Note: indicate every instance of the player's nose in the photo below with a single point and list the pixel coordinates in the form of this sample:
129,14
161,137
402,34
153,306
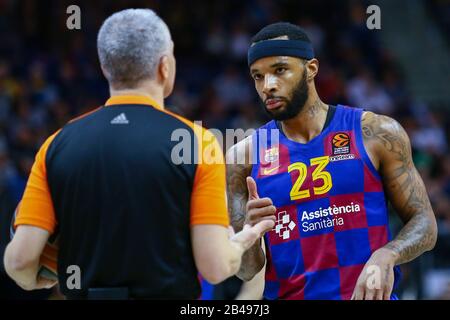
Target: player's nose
270,84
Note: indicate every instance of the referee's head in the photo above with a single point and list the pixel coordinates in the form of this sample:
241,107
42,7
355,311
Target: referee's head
136,50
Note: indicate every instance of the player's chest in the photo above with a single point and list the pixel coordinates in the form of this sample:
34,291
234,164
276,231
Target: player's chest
297,178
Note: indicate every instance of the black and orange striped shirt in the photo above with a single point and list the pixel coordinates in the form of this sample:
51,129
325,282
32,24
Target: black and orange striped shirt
122,209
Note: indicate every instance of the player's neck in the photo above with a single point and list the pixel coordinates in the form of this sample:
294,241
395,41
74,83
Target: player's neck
146,90
308,123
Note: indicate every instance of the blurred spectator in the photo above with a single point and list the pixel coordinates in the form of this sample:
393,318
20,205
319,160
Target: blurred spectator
216,41
364,92
231,87
240,40
431,137
315,34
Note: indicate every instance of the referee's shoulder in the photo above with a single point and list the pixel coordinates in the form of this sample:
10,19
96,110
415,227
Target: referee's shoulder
202,133
84,115
53,137
193,125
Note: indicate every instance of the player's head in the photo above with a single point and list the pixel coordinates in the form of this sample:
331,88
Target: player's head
135,46
282,64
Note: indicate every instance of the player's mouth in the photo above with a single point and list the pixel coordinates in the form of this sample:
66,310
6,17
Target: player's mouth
273,103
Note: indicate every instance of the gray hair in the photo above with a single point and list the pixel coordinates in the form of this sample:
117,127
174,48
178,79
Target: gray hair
130,44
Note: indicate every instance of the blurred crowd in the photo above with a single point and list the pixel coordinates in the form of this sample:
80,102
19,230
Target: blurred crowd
49,74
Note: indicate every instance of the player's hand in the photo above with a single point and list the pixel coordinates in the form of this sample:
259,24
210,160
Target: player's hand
258,209
376,280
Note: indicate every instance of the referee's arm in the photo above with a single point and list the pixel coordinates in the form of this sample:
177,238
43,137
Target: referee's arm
217,250
34,222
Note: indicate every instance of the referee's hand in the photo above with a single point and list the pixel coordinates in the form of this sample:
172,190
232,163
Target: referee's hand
258,209
250,234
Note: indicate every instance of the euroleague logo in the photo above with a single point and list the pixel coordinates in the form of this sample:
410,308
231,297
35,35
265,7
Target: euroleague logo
341,140
341,147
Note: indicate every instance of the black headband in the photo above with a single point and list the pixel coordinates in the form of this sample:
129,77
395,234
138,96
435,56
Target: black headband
269,48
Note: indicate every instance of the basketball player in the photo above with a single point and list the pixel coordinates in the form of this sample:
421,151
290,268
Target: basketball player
324,177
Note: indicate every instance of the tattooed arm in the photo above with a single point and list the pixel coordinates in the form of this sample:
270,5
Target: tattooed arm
239,167
403,186
244,204
390,151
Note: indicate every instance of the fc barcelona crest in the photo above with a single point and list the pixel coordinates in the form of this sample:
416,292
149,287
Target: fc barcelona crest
271,155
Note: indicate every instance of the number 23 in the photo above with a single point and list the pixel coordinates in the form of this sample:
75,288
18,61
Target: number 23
318,174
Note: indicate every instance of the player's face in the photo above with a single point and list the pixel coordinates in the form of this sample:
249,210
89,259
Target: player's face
281,84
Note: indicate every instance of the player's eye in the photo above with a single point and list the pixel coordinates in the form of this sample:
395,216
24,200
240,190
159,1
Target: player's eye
257,76
280,70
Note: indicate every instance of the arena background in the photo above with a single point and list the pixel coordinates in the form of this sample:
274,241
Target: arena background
50,74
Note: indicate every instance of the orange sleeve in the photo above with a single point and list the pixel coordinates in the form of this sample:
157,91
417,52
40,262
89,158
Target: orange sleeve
36,206
209,199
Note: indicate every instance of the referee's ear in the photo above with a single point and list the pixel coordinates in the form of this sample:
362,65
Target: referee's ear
105,73
163,68
166,73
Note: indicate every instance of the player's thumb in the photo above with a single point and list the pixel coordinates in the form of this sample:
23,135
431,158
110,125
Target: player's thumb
252,189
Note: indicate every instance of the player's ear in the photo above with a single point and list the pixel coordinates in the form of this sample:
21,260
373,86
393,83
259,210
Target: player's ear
312,67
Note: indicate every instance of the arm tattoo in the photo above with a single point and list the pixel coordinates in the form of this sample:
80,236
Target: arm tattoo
237,193
253,259
403,186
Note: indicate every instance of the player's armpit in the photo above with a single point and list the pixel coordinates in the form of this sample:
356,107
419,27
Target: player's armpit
403,186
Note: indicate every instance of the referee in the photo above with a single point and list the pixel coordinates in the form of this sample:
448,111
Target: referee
137,224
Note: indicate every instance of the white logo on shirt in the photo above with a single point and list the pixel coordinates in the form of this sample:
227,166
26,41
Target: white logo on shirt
120,119
284,225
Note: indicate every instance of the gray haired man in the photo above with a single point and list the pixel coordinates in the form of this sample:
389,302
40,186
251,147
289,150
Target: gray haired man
133,222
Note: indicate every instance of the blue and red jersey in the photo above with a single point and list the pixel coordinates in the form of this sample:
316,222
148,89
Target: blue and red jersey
331,209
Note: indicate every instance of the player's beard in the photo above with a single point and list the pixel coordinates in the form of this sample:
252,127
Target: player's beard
293,106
